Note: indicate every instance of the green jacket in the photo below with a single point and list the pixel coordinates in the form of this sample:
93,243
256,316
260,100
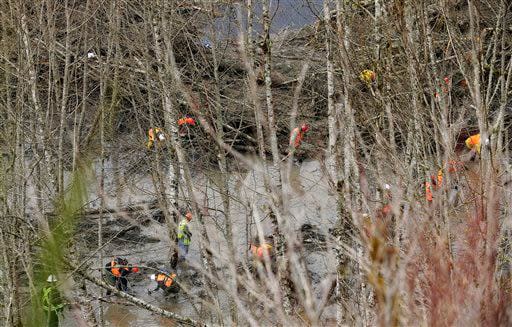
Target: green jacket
184,233
51,299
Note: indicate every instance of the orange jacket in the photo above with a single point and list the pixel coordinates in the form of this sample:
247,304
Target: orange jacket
260,251
118,271
385,210
473,142
115,271
296,137
154,134
368,76
453,167
428,192
433,185
164,279
186,121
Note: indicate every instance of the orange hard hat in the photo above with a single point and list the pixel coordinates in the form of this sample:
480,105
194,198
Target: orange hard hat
188,215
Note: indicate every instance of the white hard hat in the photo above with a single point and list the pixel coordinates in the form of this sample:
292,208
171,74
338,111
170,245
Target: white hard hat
91,54
51,279
153,277
387,186
161,136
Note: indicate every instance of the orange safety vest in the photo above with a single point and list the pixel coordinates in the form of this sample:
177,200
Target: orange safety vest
437,184
296,137
453,167
116,271
386,210
260,251
473,142
439,178
166,280
367,76
186,120
428,192
152,133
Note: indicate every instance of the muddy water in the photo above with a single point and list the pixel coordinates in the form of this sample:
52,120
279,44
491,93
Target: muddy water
310,202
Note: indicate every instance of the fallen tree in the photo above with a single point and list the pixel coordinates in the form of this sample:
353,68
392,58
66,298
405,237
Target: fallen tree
138,302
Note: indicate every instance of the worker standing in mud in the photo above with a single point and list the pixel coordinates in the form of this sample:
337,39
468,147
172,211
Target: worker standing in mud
184,124
436,181
155,135
260,251
474,143
117,271
52,302
184,237
296,137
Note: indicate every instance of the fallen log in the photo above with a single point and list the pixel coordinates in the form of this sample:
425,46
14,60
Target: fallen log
138,302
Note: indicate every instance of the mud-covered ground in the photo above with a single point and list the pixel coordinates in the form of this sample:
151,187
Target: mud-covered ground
140,238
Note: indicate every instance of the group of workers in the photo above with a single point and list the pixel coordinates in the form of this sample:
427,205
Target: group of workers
435,182
119,269
157,136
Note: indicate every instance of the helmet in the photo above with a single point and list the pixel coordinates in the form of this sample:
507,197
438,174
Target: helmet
160,134
188,215
304,127
367,76
152,276
387,186
51,279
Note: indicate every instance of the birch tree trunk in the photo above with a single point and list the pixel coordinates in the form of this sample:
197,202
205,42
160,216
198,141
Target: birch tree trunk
332,166
64,101
170,75
350,284
267,52
223,167
41,153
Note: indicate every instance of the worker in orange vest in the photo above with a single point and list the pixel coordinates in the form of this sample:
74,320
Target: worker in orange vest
184,123
155,134
117,271
386,208
473,143
260,251
166,282
436,182
297,135
432,186
368,77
